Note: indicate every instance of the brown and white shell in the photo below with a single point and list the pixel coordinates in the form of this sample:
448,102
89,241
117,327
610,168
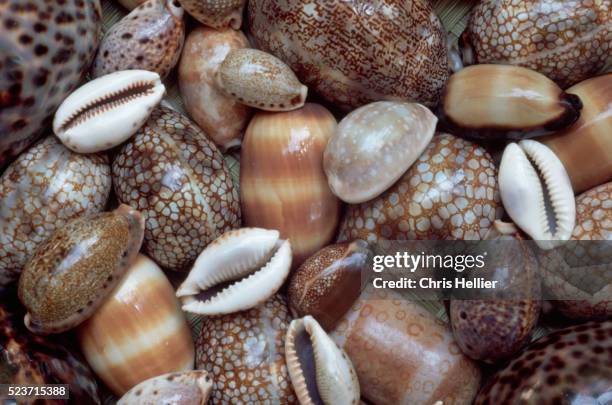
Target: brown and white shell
171,172
76,268
568,41
356,52
373,147
44,188
450,192
237,271
150,38
184,388
320,371
131,4
244,354
218,114
47,46
216,13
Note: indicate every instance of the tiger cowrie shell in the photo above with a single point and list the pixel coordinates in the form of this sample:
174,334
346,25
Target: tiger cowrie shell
532,179
260,80
106,111
237,271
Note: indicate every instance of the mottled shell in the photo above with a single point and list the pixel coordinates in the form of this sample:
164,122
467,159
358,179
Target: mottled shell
571,365
131,4
589,297
46,48
585,148
171,172
568,41
149,38
216,13
363,52
252,345
139,332
26,358
44,188
450,192
218,114
282,182
374,145
76,268
184,388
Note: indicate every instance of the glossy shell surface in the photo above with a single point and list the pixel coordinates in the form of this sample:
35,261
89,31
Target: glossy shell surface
216,13
218,114
171,172
184,388
139,332
364,51
569,365
44,188
150,38
282,182
76,268
450,192
46,48
568,41
252,345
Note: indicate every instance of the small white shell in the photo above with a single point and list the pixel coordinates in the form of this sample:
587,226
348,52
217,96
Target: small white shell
106,111
537,193
255,263
335,377
183,388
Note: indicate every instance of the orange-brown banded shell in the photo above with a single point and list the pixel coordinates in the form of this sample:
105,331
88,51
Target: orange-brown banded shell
171,172
139,332
282,182
363,52
585,148
251,344
450,192
568,41
76,268
44,188
216,13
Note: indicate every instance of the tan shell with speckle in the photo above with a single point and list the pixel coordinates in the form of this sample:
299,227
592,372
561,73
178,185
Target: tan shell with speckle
216,13
177,178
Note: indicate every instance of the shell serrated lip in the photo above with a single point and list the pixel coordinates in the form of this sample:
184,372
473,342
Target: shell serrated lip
238,271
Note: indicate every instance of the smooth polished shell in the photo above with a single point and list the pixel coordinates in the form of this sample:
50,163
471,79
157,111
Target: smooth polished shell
363,52
374,145
150,38
171,172
496,102
76,268
216,13
46,49
251,344
568,41
450,192
28,359
184,388
44,188
282,182
585,148
139,332
216,113
571,365
131,4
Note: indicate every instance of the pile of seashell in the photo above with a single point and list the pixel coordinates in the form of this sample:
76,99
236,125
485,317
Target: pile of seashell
355,123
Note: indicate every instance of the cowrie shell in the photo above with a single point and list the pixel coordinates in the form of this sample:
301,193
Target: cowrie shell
187,387
106,111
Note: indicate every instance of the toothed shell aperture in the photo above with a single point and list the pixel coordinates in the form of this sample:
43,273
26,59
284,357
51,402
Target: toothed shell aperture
320,371
75,269
216,13
185,388
150,38
239,270
532,178
44,188
106,111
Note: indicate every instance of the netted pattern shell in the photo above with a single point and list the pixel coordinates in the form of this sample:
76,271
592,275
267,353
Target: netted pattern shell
176,177
43,189
46,47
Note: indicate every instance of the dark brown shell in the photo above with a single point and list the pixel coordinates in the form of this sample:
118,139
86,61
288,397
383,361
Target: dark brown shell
177,178
569,366
355,52
46,47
